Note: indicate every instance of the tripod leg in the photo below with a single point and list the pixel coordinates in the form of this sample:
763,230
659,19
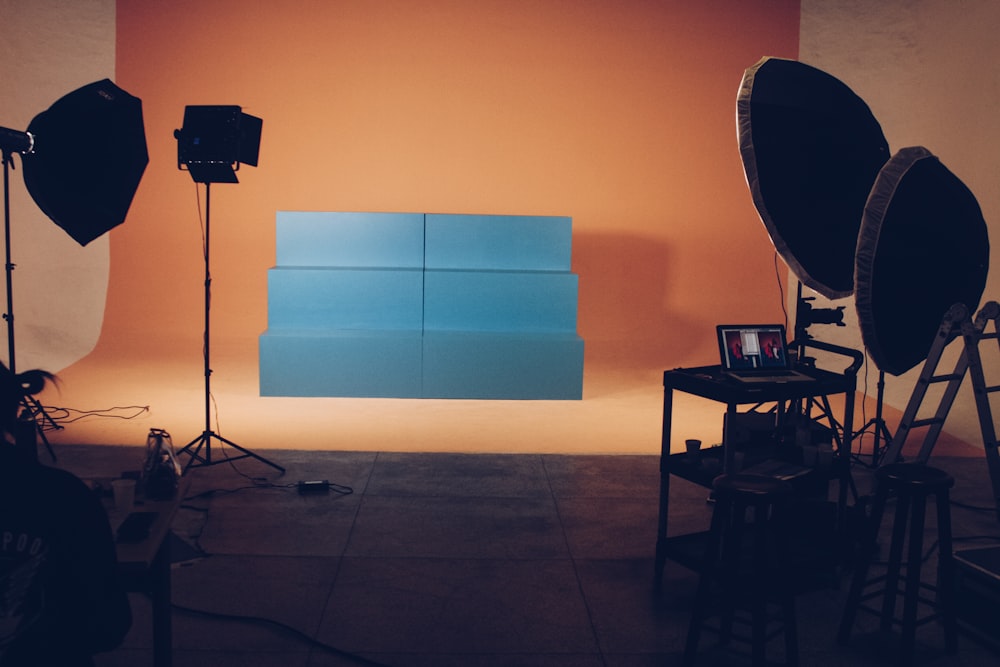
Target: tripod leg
42,419
193,449
45,441
246,453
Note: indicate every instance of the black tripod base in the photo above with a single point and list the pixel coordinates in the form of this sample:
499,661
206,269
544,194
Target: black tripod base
204,441
31,423
882,435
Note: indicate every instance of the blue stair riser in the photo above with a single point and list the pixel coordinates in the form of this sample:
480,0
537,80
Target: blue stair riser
413,305
360,364
453,365
498,242
512,301
328,298
350,240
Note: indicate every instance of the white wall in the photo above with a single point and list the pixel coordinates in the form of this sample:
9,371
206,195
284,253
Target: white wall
50,48
927,69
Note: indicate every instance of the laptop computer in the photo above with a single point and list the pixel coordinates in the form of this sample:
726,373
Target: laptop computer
756,353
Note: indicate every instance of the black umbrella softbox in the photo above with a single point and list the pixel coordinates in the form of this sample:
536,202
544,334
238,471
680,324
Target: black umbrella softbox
923,247
811,150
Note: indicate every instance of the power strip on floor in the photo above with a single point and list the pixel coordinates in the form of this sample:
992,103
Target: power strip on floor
314,486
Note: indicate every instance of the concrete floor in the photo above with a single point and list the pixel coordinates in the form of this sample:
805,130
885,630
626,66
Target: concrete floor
463,559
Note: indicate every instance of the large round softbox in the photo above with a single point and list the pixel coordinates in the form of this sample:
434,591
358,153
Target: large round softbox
923,246
811,150
89,155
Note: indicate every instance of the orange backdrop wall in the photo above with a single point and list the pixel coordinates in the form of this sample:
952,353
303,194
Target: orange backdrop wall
619,114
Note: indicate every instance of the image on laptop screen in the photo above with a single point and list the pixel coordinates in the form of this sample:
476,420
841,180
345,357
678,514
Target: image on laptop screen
752,347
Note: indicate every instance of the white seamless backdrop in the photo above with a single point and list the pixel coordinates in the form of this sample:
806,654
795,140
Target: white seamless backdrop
52,47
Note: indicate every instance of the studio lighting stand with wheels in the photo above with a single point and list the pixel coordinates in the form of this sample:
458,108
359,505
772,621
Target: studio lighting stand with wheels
212,143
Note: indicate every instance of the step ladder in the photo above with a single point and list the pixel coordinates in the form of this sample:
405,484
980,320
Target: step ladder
957,323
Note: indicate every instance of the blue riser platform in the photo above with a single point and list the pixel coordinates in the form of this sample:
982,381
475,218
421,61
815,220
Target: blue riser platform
372,364
432,365
346,240
498,242
520,301
502,366
413,305
328,298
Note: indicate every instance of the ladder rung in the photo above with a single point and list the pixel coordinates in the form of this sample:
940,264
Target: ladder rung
969,363
946,378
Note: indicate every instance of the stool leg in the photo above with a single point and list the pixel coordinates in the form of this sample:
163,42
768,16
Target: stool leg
868,546
912,592
732,551
946,574
702,601
786,592
791,631
758,603
895,561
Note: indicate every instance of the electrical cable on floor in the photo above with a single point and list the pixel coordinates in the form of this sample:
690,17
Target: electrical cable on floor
60,415
301,636
202,553
258,483
264,483
195,540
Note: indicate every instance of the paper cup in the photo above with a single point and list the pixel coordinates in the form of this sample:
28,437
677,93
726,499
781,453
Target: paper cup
693,448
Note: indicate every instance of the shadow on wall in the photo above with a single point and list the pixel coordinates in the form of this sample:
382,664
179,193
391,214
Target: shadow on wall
625,313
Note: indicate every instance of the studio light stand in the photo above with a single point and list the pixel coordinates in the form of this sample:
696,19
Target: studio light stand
211,145
805,316
877,425
82,160
31,409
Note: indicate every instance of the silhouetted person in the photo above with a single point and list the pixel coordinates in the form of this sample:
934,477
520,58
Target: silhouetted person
60,598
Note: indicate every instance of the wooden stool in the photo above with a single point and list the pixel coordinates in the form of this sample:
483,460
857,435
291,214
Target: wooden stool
747,573
912,484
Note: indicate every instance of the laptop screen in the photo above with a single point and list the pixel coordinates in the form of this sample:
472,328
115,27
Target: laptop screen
749,347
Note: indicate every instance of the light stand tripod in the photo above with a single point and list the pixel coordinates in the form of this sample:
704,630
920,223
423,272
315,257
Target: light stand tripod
877,424
805,316
83,159
32,410
204,441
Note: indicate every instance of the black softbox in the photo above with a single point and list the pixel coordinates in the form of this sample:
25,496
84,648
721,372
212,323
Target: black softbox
88,157
811,150
923,246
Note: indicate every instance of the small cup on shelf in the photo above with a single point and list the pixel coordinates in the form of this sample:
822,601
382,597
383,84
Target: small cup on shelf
693,448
